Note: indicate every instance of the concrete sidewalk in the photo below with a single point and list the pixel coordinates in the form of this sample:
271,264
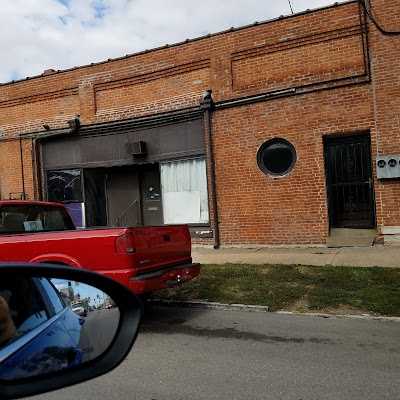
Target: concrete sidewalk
379,255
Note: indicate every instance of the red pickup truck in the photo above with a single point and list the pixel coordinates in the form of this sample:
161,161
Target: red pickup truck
144,259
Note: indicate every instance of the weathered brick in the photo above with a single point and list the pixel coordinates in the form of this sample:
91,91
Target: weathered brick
342,87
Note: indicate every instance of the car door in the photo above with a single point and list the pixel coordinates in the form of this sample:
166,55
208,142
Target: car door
42,343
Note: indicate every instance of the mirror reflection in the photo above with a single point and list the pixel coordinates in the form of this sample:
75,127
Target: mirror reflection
48,325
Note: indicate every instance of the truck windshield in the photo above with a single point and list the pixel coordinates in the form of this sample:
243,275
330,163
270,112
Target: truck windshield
21,218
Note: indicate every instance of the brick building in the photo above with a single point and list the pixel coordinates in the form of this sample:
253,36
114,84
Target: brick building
299,142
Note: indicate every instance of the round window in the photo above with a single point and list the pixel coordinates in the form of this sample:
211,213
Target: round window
276,157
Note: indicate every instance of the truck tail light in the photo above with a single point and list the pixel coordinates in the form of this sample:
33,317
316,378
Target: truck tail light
125,243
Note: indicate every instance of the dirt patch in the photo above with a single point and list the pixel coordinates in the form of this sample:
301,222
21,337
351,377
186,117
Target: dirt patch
300,305
303,306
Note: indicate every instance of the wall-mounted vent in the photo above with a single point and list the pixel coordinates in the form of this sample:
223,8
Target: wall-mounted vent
388,167
136,148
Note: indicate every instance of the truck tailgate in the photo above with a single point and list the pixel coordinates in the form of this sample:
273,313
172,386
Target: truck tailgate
161,246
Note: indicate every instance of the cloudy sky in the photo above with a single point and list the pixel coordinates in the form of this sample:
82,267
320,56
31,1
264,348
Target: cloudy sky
60,34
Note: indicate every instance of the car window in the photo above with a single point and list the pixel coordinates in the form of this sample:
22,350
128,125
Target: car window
21,308
20,218
56,303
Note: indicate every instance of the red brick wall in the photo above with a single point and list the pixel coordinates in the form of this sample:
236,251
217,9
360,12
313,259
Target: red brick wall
256,208
311,52
301,61
11,172
385,57
174,77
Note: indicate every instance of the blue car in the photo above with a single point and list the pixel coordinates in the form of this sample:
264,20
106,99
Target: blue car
45,332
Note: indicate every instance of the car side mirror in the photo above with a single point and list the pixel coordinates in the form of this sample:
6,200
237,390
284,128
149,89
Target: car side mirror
60,326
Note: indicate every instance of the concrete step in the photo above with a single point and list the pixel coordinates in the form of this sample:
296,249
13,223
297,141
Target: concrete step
351,238
346,232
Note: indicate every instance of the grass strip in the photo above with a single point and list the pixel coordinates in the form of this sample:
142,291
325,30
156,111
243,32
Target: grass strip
332,289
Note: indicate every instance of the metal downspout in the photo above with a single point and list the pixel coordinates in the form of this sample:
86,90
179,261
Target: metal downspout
207,104
22,166
36,150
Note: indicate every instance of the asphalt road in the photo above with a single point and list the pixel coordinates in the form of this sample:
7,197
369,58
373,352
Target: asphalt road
214,354
98,331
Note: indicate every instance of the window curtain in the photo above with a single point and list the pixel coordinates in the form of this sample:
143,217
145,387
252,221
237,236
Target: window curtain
184,191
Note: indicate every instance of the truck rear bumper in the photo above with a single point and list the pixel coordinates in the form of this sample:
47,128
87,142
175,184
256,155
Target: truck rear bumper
164,278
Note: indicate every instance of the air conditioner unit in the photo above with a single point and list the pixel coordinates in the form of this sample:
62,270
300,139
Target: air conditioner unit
388,167
136,148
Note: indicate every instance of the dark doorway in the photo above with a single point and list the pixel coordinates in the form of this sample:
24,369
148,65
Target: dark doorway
123,196
95,196
349,182
151,194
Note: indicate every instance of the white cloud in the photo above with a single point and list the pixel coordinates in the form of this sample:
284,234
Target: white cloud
61,34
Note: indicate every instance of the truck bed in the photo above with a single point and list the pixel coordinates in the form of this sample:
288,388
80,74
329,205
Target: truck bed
142,258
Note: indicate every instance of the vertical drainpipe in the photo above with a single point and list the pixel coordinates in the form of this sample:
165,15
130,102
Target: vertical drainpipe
39,183
22,167
207,105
